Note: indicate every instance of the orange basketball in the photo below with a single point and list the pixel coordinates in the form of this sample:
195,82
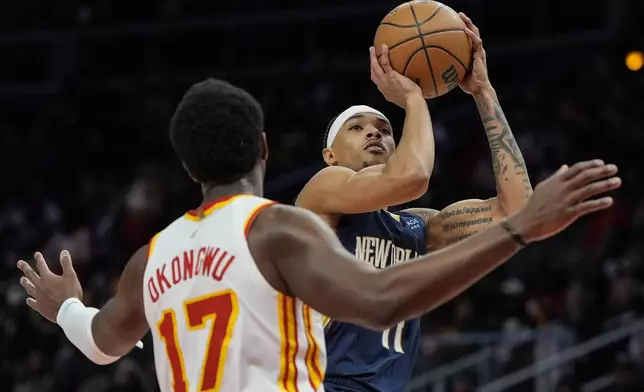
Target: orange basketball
428,44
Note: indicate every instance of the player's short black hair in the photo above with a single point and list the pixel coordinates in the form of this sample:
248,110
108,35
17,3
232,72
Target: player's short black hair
326,133
216,131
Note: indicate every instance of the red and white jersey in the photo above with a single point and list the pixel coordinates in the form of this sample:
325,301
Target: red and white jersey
217,324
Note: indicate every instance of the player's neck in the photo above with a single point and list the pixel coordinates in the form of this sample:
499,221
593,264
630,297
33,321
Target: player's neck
215,192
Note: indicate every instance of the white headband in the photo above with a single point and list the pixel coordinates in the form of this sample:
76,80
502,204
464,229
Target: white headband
344,116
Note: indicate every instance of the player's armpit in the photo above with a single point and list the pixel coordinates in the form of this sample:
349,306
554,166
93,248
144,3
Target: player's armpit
339,190
461,220
121,322
301,256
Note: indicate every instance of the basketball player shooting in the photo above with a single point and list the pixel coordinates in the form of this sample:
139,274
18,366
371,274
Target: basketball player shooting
366,174
228,289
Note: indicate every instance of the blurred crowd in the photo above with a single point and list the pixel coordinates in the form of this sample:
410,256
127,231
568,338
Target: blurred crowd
584,282
94,173
42,14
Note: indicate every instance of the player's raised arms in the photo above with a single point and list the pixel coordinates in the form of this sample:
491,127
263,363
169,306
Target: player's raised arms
380,174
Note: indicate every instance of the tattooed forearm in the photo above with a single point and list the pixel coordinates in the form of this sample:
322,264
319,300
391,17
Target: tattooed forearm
502,142
459,221
507,160
483,105
453,240
471,216
466,223
464,211
527,187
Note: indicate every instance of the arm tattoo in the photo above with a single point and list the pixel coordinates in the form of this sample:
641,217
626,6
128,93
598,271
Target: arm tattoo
502,142
455,239
483,105
457,223
472,216
465,211
466,224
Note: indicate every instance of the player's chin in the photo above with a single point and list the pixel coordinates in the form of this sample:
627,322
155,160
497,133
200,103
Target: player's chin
375,158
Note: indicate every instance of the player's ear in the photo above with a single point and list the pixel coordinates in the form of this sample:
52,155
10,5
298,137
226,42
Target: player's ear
329,156
263,155
188,171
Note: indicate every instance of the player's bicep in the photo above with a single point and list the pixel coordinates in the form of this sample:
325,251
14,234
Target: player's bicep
338,190
121,322
316,268
461,220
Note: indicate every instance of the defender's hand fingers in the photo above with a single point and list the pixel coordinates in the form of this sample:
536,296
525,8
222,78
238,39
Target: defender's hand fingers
66,264
384,60
580,166
592,174
562,170
28,286
41,265
590,206
33,304
29,272
377,74
595,189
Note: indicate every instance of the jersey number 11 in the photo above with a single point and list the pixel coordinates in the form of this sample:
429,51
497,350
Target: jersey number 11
221,308
398,332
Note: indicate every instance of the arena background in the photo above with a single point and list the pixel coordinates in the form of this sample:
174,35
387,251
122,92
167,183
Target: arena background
87,89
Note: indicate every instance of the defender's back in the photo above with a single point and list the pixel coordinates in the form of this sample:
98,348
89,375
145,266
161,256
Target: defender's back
217,324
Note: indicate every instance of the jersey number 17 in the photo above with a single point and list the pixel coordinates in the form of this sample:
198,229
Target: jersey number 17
221,308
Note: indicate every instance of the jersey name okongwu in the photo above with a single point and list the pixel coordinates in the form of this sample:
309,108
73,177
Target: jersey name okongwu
217,324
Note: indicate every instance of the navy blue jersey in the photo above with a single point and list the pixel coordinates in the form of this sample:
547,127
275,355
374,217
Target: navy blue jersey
360,359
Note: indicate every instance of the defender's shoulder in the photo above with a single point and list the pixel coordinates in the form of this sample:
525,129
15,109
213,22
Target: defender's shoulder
276,213
277,219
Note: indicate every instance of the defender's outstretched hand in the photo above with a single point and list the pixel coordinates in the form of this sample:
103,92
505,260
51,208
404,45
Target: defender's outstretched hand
47,291
564,197
395,87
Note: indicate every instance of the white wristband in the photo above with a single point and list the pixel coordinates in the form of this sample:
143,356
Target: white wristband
76,321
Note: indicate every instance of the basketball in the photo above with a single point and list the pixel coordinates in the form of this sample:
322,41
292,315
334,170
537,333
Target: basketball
428,44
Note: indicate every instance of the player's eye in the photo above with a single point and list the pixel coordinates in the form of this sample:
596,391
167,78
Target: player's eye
386,131
355,127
